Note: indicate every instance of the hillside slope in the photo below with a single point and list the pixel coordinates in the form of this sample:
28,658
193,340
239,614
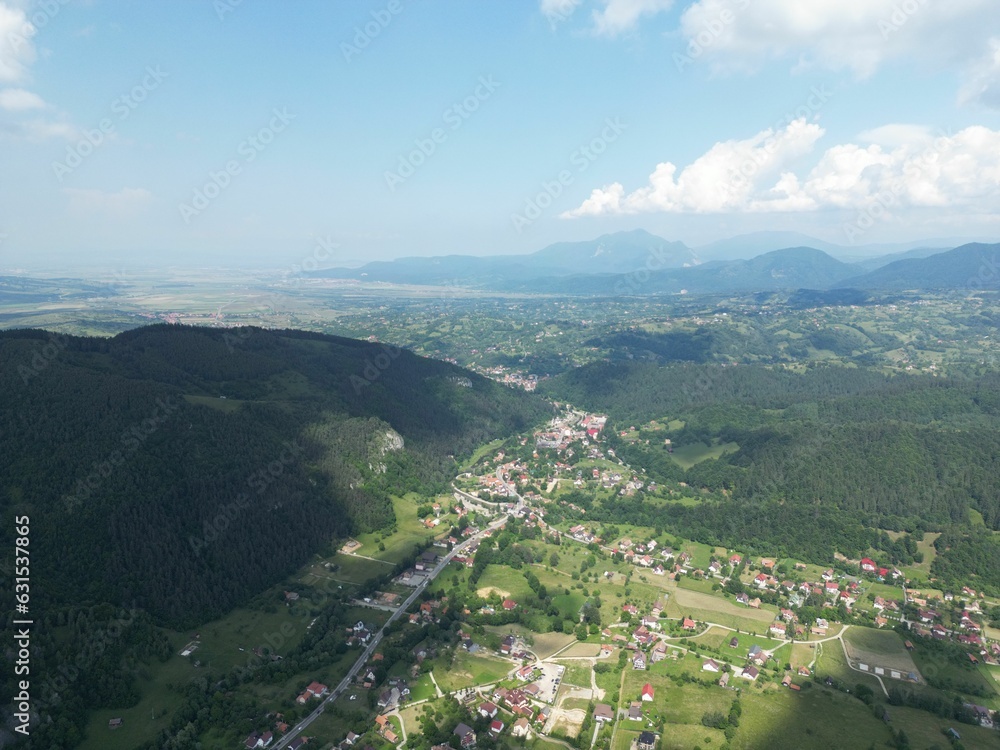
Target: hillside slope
186,469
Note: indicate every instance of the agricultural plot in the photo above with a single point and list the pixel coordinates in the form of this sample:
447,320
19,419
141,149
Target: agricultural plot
469,669
707,608
780,719
879,650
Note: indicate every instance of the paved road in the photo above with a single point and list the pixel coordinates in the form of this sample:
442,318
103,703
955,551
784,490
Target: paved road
377,638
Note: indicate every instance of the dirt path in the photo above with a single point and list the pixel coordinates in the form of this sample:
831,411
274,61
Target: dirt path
435,683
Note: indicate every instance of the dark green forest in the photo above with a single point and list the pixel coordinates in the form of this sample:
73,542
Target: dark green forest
173,473
826,456
144,485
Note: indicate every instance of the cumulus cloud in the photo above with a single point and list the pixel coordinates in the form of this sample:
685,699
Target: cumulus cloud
18,100
126,203
733,175
754,175
897,134
619,16
842,34
16,49
558,10
982,83
610,17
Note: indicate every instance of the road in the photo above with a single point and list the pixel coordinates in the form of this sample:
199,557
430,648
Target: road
377,638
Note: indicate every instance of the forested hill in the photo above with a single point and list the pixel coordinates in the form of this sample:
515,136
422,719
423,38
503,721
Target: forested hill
888,452
186,469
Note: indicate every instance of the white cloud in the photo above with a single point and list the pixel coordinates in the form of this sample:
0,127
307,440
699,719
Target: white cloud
611,17
983,78
16,49
126,203
855,35
18,100
897,134
38,130
559,10
619,16
731,176
755,175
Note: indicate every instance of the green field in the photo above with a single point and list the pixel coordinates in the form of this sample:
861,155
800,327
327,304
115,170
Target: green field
469,669
930,729
408,536
780,719
577,673
687,456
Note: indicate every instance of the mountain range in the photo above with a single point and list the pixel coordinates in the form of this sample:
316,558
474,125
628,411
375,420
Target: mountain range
637,262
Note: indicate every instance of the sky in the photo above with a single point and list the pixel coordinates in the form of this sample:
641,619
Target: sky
249,133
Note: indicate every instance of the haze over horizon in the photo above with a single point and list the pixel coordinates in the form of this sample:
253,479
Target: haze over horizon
155,136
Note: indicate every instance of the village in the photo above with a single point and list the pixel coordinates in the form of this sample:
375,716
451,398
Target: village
555,629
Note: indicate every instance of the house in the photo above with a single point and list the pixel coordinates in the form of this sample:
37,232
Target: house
743,598
803,671
689,624
351,738
724,680
786,680
488,710
635,711
734,642
117,722
496,726
521,728
710,665
297,743
926,615
647,692
735,560
647,741
778,628
983,714
659,652
659,570
766,563
760,581
603,712
465,735
749,673
318,689
516,699
509,605
389,698
868,565
639,661
507,644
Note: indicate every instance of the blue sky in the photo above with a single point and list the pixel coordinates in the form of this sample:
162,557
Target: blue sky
138,134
